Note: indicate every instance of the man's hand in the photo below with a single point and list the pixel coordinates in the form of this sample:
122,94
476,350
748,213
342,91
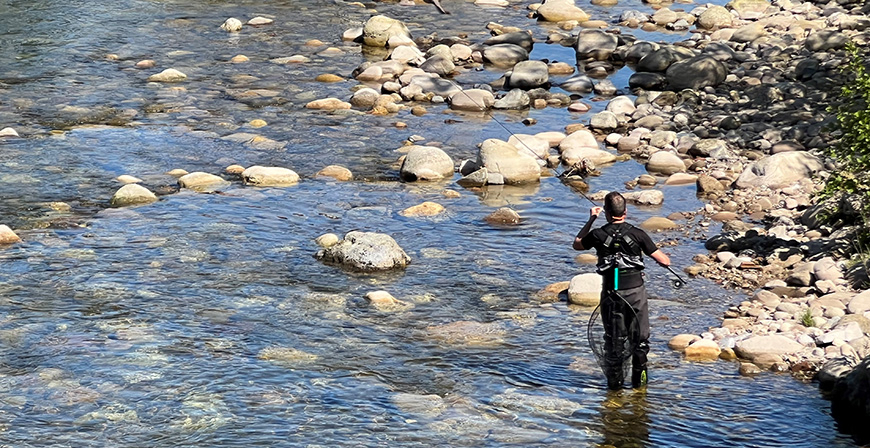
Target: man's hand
594,212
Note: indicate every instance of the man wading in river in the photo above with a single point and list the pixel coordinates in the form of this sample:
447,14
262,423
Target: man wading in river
620,248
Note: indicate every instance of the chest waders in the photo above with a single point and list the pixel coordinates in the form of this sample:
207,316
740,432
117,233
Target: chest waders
620,264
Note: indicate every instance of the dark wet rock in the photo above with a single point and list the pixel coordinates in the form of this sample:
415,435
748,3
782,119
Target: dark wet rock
366,251
719,51
696,73
505,55
659,60
439,65
475,179
826,40
528,75
648,81
850,398
516,99
637,51
520,38
595,44
426,163
579,84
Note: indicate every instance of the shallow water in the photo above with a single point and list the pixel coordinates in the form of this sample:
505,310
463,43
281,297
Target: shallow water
204,320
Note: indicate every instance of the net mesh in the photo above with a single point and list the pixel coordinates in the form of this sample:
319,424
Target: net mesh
613,351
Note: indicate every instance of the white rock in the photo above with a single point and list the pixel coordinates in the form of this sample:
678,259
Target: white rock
232,25
585,289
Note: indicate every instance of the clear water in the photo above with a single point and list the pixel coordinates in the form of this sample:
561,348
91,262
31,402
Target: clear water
175,324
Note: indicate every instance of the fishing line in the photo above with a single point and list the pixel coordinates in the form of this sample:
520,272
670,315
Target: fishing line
492,117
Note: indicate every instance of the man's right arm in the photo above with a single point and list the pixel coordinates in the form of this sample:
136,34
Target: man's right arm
578,240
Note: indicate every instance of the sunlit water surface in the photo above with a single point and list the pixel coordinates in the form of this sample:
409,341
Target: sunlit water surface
204,319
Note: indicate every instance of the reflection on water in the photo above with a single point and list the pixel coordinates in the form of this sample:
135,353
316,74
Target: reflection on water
625,420
204,320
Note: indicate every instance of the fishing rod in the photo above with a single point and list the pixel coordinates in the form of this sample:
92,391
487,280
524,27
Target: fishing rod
492,117
678,282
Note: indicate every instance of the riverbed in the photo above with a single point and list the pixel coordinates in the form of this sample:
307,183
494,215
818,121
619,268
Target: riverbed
205,320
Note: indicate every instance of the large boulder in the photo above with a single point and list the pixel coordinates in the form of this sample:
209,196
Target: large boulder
132,194
696,73
534,146
475,100
379,29
595,44
527,75
665,162
515,166
662,58
771,344
850,399
426,163
505,55
749,9
269,176
826,40
585,289
366,251
714,17
780,170
561,11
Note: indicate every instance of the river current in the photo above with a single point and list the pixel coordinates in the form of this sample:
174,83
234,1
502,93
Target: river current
204,319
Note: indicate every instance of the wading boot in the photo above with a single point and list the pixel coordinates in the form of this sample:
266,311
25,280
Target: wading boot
638,378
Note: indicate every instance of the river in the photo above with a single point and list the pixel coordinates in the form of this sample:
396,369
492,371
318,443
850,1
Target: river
204,319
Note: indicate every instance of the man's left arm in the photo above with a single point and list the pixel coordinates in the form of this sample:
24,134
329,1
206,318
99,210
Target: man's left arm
650,248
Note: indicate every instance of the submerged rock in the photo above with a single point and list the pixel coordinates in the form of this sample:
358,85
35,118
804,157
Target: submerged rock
168,75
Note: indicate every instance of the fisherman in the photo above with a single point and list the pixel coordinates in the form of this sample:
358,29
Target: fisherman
620,248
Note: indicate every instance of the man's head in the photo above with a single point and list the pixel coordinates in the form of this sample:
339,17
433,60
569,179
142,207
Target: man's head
614,206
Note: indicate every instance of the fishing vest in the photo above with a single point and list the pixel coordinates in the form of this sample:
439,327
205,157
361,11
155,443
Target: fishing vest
620,259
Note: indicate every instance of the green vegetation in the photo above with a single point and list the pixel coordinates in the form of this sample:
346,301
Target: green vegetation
852,151
807,318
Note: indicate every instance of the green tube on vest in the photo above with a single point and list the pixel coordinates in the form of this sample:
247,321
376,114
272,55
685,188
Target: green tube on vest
615,279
